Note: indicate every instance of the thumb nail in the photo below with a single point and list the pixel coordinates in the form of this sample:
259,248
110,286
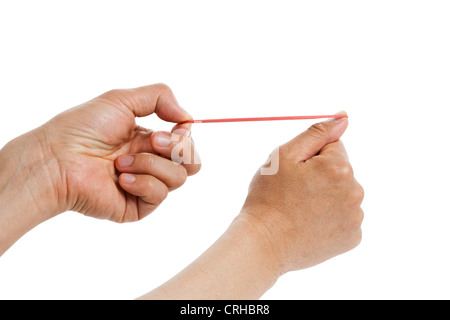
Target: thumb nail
342,117
182,132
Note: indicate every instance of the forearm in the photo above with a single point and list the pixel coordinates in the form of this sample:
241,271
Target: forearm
240,265
26,195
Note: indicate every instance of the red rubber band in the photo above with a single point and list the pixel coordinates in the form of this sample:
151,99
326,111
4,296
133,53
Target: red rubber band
337,116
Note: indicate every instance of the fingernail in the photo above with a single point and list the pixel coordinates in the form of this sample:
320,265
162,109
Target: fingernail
182,132
163,139
128,178
125,161
340,118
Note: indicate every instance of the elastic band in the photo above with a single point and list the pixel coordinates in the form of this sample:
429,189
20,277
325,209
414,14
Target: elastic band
266,119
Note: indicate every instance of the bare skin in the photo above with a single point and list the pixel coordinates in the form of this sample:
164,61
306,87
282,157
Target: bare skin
73,162
94,159
307,213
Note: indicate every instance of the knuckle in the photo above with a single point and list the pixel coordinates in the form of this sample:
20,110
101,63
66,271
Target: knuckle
341,170
158,193
149,186
117,97
318,130
162,87
356,195
362,193
113,92
181,177
359,218
149,162
164,193
359,194
357,238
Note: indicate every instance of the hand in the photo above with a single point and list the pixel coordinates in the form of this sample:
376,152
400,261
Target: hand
310,210
110,168
306,213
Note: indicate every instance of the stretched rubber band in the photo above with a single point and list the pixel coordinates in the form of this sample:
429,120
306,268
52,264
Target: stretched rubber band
337,116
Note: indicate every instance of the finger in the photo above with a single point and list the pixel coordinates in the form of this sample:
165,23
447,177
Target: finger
177,148
335,155
182,129
310,142
171,174
333,161
150,190
140,143
156,98
335,149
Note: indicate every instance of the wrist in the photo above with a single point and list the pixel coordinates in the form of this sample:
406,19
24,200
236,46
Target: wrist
262,240
271,233
28,177
240,265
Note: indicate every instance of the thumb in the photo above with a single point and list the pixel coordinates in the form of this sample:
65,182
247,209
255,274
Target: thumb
144,101
309,143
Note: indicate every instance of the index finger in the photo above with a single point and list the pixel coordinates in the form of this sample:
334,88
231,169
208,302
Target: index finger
335,149
156,98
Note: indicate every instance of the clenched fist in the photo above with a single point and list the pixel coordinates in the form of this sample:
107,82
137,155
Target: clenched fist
310,210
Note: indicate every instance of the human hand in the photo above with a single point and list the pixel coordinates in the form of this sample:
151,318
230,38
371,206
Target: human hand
306,213
310,210
110,168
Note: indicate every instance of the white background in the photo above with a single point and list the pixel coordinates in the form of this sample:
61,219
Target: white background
385,62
